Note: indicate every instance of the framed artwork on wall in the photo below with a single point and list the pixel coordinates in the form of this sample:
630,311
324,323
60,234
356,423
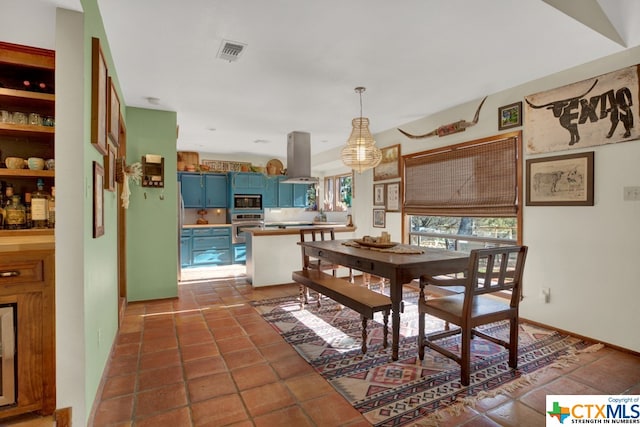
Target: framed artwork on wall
378,194
510,116
110,169
393,197
389,166
98,200
98,98
113,117
601,110
379,218
560,180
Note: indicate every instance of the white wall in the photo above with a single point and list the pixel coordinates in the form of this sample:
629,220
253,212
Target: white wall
587,256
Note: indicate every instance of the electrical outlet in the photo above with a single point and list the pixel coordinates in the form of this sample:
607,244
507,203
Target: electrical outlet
545,295
631,193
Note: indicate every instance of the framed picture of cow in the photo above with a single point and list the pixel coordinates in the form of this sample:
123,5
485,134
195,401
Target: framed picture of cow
560,180
596,111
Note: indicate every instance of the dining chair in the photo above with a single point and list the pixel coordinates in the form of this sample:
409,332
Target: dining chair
319,234
489,274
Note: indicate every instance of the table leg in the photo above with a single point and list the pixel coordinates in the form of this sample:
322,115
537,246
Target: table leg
396,303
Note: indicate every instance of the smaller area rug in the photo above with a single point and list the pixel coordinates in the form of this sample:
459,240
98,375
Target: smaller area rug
407,391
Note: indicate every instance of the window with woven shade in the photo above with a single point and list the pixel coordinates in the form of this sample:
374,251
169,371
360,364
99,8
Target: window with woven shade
474,179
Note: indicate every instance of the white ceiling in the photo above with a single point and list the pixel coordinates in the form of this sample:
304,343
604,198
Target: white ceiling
304,58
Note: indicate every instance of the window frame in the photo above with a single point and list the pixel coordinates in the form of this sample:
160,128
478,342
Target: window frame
331,189
518,204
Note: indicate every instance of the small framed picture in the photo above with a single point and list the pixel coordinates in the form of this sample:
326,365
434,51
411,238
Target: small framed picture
379,218
389,166
98,200
113,116
378,194
393,196
560,180
110,169
99,95
510,116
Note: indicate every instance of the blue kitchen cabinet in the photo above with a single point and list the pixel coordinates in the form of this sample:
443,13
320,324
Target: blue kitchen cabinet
185,247
270,194
240,253
215,191
247,182
211,246
292,195
285,194
300,195
203,190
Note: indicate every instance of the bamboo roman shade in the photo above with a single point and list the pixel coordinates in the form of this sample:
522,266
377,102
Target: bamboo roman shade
475,179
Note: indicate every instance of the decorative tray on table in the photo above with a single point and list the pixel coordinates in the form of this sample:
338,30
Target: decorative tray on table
378,245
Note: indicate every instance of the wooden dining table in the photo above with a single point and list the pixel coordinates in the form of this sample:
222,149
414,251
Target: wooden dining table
400,268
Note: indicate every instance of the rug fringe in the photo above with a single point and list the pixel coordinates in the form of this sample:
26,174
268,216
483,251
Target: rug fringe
463,403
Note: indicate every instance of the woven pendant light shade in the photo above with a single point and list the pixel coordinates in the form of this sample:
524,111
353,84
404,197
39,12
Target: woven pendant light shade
360,153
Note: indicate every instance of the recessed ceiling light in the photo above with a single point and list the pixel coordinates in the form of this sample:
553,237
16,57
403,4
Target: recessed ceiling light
212,129
261,141
153,100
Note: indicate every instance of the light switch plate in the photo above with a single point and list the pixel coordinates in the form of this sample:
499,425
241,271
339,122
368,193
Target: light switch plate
631,193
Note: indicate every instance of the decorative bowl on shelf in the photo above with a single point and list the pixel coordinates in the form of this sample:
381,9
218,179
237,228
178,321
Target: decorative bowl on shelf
14,162
35,163
50,164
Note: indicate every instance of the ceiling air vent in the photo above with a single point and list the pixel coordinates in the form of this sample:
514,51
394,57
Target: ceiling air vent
231,51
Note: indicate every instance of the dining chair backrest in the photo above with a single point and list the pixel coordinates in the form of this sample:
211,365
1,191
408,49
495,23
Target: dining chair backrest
316,234
496,269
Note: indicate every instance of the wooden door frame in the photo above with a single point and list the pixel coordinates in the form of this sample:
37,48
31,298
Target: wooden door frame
122,229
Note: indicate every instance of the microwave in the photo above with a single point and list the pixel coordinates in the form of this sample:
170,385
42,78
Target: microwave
247,201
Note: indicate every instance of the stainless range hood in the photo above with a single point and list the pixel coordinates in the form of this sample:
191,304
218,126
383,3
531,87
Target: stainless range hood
299,158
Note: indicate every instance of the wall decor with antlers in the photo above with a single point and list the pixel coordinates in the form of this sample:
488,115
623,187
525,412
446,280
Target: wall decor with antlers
450,128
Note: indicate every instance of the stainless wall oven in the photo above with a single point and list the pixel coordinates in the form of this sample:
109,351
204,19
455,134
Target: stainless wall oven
241,221
251,202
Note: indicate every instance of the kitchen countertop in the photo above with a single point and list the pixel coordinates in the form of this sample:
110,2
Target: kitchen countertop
275,231
204,225
13,241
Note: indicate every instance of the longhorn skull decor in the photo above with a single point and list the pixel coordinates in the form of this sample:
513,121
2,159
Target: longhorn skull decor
450,128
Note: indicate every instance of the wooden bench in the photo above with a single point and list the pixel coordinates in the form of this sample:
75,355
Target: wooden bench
360,299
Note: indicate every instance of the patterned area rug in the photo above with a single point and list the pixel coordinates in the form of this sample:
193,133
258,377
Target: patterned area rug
400,393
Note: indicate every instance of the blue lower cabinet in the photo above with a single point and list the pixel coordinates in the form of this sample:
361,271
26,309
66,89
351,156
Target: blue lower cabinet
185,251
240,253
208,246
211,256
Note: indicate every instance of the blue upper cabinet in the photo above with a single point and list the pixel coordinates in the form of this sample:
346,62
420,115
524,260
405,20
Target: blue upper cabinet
300,195
191,188
270,195
247,183
292,195
203,190
215,191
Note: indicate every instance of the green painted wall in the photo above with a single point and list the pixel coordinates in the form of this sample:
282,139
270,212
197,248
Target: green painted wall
100,254
152,217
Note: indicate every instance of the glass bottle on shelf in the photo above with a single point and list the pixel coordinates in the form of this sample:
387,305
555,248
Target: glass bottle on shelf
27,210
15,214
8,194
39,206
51,218
1,205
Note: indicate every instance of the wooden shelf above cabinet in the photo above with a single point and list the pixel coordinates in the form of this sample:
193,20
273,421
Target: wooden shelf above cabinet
10,129
26,173
20,100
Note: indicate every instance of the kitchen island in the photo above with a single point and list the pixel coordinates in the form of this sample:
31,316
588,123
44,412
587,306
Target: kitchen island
273,252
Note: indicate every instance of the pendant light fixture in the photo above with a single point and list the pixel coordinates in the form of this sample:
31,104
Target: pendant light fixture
360,153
